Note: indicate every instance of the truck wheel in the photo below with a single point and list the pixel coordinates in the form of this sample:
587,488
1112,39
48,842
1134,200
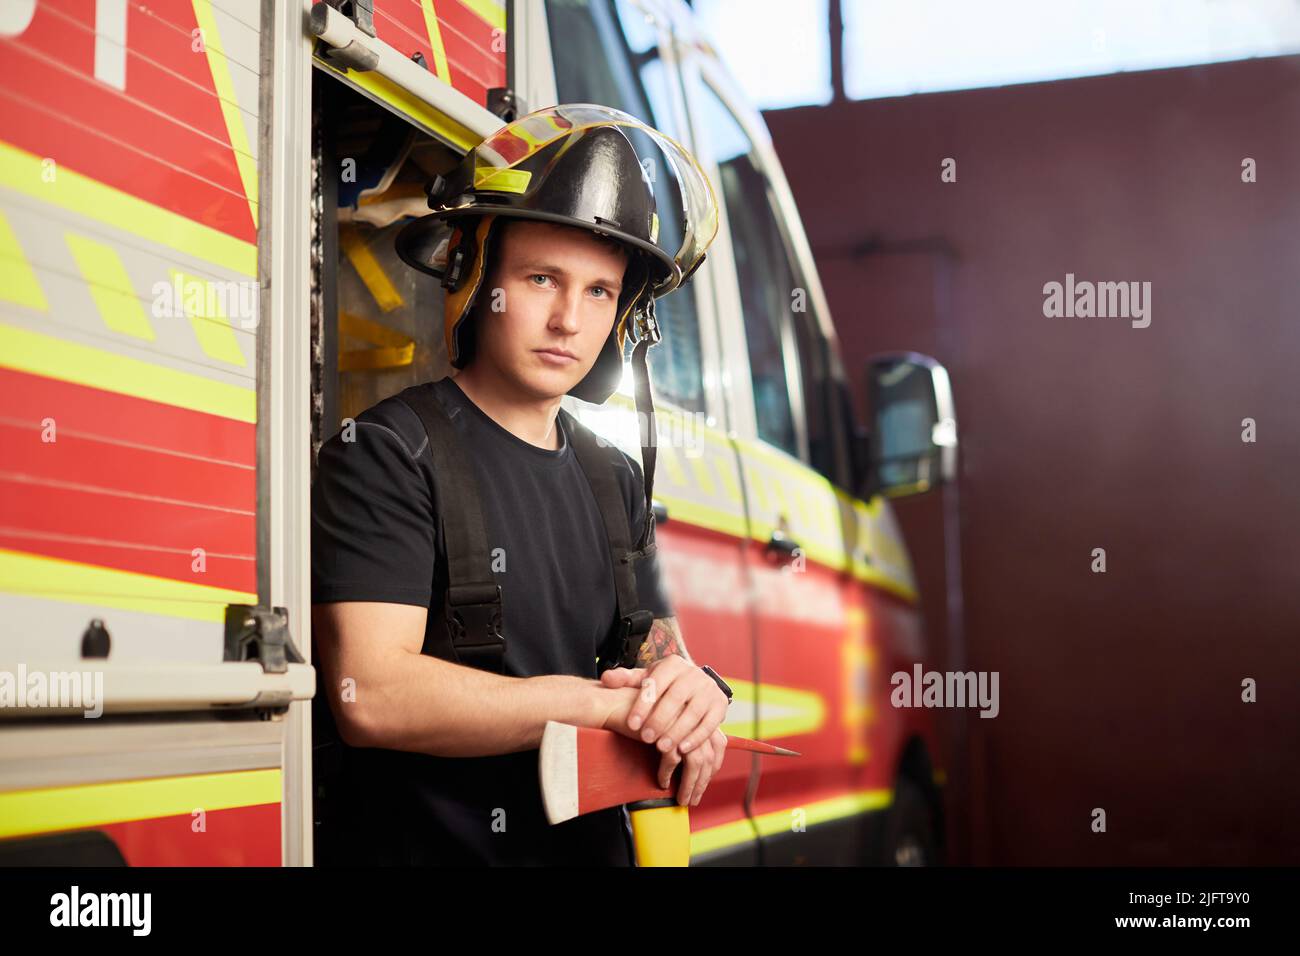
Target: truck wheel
909,829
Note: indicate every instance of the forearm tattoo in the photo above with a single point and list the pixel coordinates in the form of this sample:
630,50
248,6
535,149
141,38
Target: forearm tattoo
664,639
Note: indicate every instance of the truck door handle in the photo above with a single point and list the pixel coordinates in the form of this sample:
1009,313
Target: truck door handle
782,543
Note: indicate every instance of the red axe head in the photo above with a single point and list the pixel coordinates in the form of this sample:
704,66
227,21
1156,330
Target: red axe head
584,769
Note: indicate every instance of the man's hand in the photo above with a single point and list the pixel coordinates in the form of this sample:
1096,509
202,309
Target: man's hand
679,709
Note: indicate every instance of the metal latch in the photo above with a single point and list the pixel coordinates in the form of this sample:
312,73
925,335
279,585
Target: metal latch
257,633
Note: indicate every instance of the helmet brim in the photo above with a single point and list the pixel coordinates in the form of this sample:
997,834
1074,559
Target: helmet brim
418,240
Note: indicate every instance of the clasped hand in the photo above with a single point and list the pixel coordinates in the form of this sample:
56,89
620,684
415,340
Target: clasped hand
678,709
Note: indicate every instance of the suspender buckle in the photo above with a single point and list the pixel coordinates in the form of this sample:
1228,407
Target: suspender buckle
473,613
632,632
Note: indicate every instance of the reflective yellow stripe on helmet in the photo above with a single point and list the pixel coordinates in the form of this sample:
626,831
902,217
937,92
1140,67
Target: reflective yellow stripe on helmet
500,179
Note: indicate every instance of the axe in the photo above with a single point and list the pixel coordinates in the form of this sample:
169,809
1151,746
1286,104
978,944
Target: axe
585,769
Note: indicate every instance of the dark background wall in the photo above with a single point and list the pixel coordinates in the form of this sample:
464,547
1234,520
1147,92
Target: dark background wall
1119,690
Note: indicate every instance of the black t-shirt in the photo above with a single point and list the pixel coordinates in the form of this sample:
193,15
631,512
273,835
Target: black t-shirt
374,538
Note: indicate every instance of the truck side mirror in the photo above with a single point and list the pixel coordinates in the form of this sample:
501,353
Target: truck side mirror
913,440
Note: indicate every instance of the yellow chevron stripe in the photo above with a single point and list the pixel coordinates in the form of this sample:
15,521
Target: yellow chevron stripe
435,41
208,320
880,579
670,460
110,287
72,362
21,171
824,811
721,836
703,477
18,283
760,485
758,494
737,832
730,484
57,579
225,88
99,804
805,711
703,516
494,15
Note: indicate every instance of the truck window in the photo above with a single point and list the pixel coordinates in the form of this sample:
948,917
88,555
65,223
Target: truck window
823,405
620,66
763,270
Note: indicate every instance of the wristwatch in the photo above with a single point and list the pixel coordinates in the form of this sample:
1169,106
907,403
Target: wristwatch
726,688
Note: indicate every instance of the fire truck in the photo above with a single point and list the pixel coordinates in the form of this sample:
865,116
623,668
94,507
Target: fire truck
198,284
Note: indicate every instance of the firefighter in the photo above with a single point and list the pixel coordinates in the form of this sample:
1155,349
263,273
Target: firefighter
481,563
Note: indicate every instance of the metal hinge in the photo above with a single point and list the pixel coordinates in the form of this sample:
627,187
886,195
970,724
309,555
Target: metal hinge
360,12
257,633
355,55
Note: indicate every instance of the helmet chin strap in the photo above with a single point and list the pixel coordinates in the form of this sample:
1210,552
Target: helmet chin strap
647,335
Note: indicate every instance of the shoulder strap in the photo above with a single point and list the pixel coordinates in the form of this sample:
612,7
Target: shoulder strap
645,412
473,606
633,623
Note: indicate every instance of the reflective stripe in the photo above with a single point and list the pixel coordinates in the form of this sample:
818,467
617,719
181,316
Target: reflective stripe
72,362
98,804
491,12
23,172
406,104
500,179
824,811
834,529
722,836
55,579
768,710
155,303
110,286
230,107
702,516
18,283
699,482
434,28
208,319
737,832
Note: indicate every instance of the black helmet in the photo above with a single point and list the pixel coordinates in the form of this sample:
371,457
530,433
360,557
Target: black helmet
572,165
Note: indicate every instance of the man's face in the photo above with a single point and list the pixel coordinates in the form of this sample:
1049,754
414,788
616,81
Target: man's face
559,288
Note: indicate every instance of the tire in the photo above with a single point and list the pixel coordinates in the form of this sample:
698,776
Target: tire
909,829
